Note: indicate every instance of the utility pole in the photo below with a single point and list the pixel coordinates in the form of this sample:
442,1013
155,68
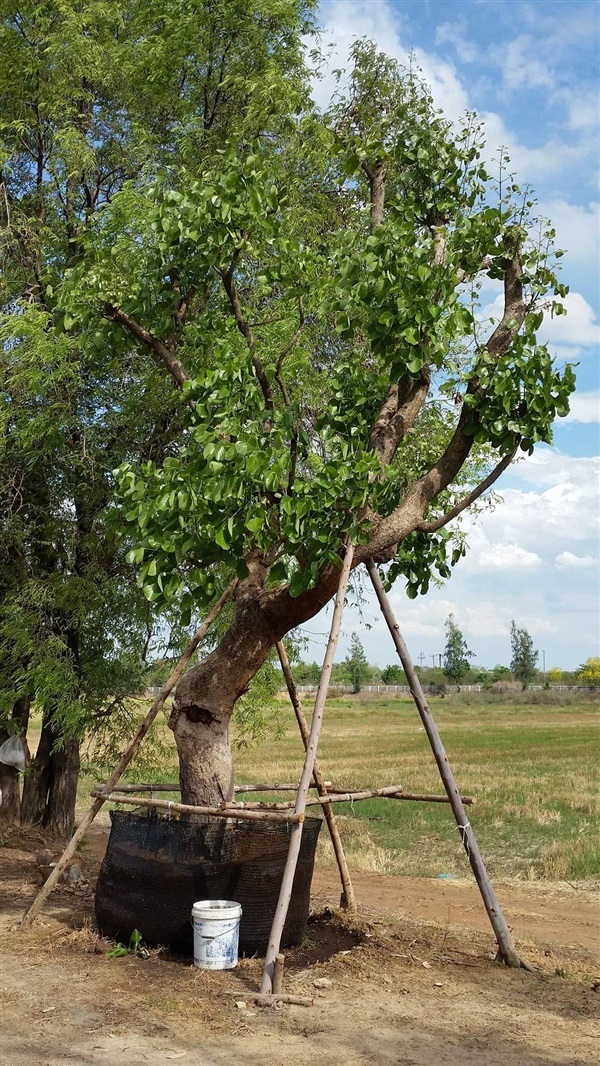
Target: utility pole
421,659
544,664
433,661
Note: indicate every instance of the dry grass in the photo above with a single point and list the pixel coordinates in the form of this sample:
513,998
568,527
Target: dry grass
533,770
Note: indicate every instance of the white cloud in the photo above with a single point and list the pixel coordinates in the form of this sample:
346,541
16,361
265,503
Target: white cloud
454,33
582,108
507,557
561,505
585,407
568,561
578,326
548,468
520,67
577,231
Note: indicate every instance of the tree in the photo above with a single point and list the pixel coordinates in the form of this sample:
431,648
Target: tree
589,672
393,675
357,663
523,656
310,289
456,653
81,118
555,675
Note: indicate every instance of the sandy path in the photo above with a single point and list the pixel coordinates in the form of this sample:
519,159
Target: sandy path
418,990
550,913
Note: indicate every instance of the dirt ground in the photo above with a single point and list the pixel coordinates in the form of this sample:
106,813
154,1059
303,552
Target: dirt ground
414,984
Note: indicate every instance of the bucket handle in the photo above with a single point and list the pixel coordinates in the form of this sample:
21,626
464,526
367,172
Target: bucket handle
204,937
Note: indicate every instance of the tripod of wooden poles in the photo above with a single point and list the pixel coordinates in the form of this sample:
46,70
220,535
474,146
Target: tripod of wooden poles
311,777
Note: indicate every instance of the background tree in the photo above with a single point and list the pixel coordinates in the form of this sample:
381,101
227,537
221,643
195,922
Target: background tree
93,97
356,663
393,675
523,656
311,289
589,673
456,653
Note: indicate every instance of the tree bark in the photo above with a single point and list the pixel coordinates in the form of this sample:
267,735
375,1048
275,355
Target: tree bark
37,778
50,787
59,815
9,776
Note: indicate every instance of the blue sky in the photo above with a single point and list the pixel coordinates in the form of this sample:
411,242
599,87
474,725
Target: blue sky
530,70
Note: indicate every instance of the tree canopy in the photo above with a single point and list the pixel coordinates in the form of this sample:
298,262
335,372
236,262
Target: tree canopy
94,100
314,296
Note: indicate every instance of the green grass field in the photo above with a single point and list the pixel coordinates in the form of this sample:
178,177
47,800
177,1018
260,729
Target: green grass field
532,768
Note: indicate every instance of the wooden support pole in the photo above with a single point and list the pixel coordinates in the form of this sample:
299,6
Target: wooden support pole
347,899
126,758
506,947
278,974
305,779
226,811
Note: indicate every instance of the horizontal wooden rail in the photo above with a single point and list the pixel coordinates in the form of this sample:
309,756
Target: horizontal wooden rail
392,792
208,812
174,786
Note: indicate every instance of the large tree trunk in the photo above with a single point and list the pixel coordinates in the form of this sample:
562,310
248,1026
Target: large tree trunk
59,816
50,788
10,784
204,703
37,778
206,696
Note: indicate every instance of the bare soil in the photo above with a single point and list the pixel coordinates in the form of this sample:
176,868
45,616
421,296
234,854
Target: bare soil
413,984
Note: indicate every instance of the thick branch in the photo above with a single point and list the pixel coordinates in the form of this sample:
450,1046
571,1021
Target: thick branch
432,527
398,413
409,515
376,175
163,351
457,451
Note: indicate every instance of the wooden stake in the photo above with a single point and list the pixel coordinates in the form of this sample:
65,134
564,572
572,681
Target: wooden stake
348,899
305,779
226,811
125,759
268,999
278,974
506,946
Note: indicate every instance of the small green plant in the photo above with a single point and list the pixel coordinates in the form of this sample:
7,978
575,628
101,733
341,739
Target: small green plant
561,972
133,948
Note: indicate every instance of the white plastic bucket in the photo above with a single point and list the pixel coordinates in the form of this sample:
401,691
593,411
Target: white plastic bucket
216,925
